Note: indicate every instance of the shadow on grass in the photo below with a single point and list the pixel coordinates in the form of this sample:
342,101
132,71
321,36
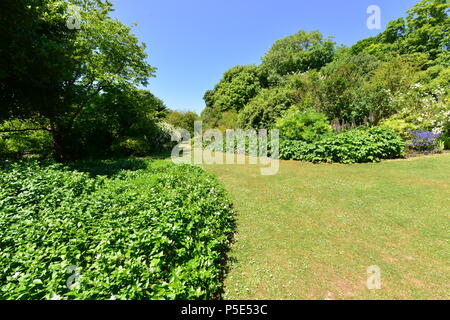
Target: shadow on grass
227,259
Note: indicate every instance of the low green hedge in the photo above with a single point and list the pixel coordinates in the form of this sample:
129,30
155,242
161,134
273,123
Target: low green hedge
154,233
354,146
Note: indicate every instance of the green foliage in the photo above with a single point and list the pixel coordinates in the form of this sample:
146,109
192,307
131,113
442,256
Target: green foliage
156,233
345,92
362,85
354,146
428,23
53,72
119,123
307,125
37,55
156,139
265,108
400,127
440,146
400,72
18,144
437,76
300,52
237,87
241,89
426,29
446,140
182,120
116,123
228,120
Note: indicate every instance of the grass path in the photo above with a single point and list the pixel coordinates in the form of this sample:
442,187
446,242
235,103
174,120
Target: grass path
311,231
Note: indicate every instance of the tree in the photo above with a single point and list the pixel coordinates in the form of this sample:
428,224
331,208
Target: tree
426,29
118,122
300,52
237,87
75,65
182,120
262,111
36,57
341,81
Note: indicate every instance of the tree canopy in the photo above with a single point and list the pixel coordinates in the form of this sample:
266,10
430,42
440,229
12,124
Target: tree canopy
364,84
300,52
58,56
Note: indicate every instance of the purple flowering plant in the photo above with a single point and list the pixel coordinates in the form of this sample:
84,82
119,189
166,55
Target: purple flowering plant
424,141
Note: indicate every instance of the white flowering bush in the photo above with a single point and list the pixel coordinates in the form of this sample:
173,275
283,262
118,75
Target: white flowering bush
420,109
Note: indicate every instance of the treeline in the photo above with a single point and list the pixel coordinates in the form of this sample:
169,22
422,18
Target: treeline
399,79
69,83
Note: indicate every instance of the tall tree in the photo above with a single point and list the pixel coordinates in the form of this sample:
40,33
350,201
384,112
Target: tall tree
237,87
182,120
79,51
300,52
426,29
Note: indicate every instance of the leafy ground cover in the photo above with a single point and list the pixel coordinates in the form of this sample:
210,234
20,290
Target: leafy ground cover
125,230
312,230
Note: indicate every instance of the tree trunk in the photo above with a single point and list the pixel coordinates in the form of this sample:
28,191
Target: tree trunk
62,145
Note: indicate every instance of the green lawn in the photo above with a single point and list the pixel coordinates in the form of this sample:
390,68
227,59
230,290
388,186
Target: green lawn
312,230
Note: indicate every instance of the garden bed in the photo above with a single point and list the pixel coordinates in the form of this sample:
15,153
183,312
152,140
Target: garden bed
127,230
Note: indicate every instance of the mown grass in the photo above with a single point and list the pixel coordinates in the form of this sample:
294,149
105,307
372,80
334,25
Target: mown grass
311,231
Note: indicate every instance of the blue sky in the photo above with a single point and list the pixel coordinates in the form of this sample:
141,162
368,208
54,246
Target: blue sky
192,43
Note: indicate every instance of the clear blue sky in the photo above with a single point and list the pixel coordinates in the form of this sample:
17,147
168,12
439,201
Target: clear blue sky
192,43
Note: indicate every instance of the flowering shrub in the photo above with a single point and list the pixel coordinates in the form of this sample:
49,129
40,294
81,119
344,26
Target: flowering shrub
424,141
428,110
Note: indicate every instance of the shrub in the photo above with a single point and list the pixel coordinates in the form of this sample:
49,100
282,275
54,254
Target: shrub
446,141
354,146
400,127
240,144
158,233
263,110
308,125
158,138
440,146
182,120
425,110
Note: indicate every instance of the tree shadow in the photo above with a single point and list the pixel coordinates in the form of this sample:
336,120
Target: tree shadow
227,259
108,167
